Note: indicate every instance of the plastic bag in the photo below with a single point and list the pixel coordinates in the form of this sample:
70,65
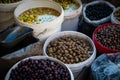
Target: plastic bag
106,67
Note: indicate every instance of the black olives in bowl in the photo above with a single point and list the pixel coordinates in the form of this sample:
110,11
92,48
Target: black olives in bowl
39,68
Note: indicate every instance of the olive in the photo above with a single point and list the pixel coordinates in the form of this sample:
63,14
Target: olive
109,37
38,15
39,70
69,49
66,3
98,11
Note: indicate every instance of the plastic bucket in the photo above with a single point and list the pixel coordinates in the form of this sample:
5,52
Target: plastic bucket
41,30
9,7
101,48
72,19
5,16
38,58
113,18
100,21
76,68
6,24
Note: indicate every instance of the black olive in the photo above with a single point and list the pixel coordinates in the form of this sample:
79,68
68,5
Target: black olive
39,70
98,11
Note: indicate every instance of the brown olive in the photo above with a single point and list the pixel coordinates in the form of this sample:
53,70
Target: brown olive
70,49
109,37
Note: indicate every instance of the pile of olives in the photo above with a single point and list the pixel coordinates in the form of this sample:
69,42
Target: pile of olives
42,69
32,15
69,49
65,3
109,37
98,11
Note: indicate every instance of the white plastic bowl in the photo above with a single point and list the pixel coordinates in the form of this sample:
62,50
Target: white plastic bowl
77,67
42,30
38,58
5,16
9,7
4,25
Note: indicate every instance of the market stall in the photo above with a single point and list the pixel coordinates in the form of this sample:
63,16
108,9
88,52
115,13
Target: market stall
59,39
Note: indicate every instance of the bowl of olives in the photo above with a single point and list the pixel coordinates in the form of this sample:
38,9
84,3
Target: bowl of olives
39,68
73,48
44,16
107,38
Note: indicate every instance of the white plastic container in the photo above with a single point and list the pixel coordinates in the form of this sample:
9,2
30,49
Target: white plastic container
72,19
97,22
5,24
44,30
5,16
9,7
76,68
113,18
38,58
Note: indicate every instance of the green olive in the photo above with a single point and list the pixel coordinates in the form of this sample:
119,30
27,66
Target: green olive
65,3
32,15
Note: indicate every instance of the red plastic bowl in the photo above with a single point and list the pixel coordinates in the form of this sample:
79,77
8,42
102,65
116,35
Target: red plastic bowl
100,47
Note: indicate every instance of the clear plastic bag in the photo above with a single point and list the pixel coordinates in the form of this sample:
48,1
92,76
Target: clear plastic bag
106,67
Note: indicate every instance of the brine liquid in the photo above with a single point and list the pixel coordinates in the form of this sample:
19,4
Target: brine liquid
38,15
70,8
